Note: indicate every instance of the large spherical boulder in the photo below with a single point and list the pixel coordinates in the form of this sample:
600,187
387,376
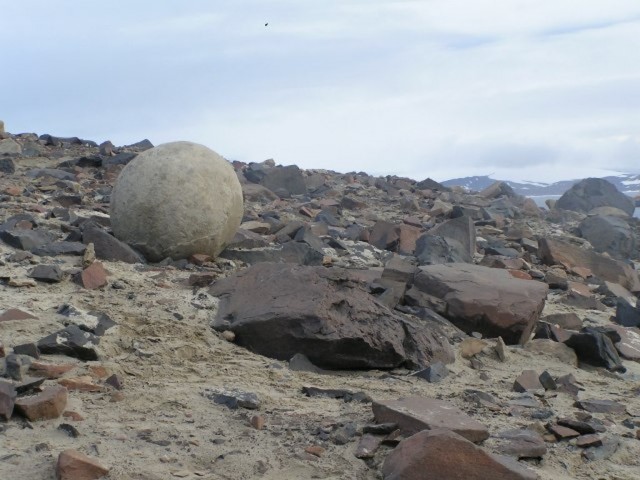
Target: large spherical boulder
175,200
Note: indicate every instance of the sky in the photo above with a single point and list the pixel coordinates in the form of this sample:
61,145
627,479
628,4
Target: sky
538,90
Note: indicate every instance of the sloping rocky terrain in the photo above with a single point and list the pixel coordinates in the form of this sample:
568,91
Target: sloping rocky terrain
355,328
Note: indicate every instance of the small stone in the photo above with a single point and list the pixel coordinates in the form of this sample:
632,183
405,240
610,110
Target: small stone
74,416
7,399
316,450
434,373
115,381
527,381
257,422
71,341
228,335
601,406
73,465
89,255
47,273
201,279
368,446
547,381
49,371
585,441
17,366
470,347
81,384
501,349
94,276
583,428
30,349
116,397
301,363
521,443
233,398
69,430
380,428
43,406
562,433
344,433
15,314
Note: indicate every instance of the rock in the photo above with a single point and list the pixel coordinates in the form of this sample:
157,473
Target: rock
629,344
54,249
434,373
284,181
413,414
346,395
607,449
26,239
585,441
17,366
50,371
300,363
325,314
94,276
154,212
108,247
82,384
592,193
290,252
547,381
10,146
7,399
43,406
460,234
233,398
520,443
562,433
115,381
344,433
601,406
257,193
559,252
485,300
612,235
442,454
581,427
30,349
368,446
528,380
47,273
72,342
13,314
568,321
470,347
595,348
556,278
7,165
626,315
73,465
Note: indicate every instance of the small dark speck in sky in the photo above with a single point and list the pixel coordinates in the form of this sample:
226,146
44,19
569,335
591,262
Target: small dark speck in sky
266,24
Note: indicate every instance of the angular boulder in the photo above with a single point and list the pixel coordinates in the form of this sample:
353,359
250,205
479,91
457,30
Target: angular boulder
414,414
443,454
74,465
450,241
327,314
483,299
609,234
554,251
592,193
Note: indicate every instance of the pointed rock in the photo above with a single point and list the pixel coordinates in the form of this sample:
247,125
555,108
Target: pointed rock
73,465
48,404
413,414
443,454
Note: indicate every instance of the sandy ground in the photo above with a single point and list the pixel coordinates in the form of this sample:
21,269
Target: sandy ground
164,427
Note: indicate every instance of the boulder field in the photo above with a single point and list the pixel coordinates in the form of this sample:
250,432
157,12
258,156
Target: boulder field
199,318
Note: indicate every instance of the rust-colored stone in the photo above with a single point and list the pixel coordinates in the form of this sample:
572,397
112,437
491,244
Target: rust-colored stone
43,406
73,465
94,276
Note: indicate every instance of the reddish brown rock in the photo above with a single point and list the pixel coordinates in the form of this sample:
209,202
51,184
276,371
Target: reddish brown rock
585,441
73,465
526,381
521,443
48,404
559,252
413,414
15,314
629,344
47,370
442,454
94,276
483,299
601,406
315,450
368,445
81,384
562,433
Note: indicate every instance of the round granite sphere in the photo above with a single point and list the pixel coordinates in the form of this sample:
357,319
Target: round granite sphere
175,200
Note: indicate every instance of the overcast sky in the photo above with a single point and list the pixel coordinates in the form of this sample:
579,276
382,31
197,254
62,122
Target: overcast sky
521,89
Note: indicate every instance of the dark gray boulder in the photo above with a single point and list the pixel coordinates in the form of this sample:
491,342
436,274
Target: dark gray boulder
592,193
324,313
609,234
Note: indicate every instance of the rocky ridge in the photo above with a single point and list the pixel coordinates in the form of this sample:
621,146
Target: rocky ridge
352,323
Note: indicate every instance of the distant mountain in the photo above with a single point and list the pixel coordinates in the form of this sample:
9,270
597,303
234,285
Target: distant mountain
628,183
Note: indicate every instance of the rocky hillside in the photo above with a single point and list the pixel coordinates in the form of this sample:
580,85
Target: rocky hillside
353,328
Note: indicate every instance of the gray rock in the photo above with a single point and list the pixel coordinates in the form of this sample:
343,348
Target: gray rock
71,341
26,239
325,314
47,273
108,247
591,193
60,248
609,234
232,398
7,165
10,146
434,373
